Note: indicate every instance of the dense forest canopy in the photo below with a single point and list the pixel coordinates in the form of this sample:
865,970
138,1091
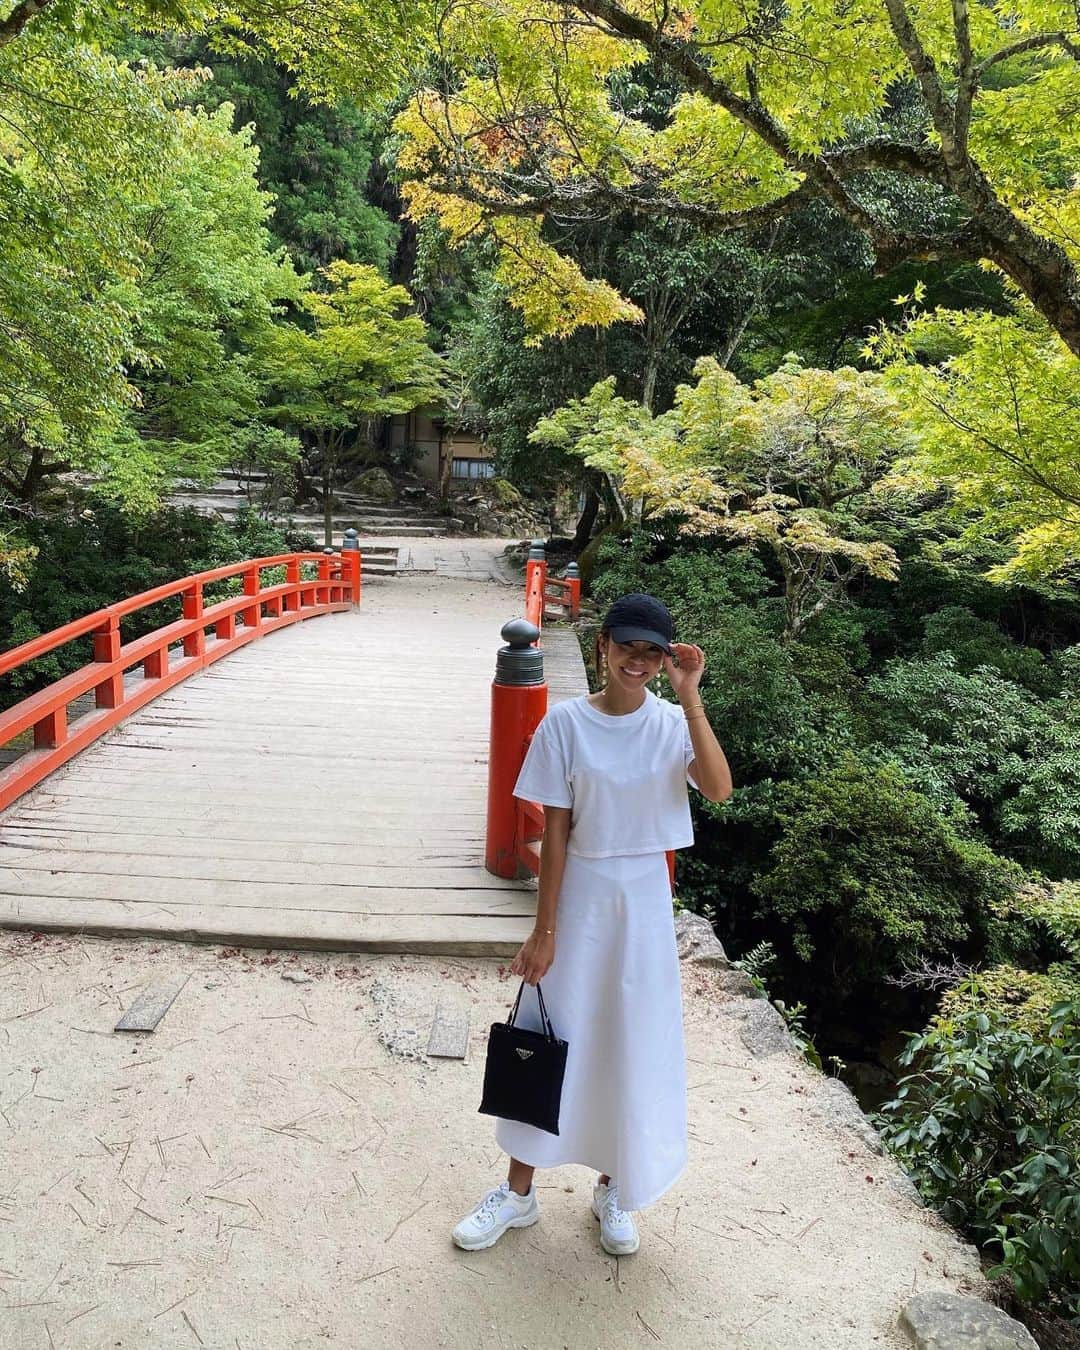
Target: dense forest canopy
772,308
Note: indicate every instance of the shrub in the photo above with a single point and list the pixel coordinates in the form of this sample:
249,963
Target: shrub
867,876
988,1126
1024,998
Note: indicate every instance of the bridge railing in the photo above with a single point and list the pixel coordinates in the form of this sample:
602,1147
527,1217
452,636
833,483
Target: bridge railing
519,695
236,620
542,590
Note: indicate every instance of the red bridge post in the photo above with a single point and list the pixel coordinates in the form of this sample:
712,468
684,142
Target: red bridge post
572,587
518,702
110,692
192,608
350,562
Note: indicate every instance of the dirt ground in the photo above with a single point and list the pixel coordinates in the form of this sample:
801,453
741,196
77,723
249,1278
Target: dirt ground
280,1164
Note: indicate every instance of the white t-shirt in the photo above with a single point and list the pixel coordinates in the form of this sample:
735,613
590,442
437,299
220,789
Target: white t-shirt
624,776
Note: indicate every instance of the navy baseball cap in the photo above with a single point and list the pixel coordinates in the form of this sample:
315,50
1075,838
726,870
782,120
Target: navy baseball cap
640,618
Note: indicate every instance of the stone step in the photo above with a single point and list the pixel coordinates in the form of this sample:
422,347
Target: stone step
369,530
400,526
225,500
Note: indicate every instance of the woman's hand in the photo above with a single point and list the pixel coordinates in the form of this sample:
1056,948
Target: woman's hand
686,676
534,959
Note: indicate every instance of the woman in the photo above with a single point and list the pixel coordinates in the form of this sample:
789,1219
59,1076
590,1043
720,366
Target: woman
611,770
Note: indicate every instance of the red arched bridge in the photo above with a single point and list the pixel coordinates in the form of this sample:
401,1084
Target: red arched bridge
345,785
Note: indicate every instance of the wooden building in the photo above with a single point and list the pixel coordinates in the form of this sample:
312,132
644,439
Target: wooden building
460,454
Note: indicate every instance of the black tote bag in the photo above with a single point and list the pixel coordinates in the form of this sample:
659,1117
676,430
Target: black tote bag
523,1075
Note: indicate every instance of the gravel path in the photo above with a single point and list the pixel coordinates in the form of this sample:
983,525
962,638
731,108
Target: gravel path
279,1165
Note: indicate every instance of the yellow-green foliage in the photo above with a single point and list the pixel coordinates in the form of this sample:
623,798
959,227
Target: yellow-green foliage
711,460
16,559
1025,997
709,465
995,402
532,115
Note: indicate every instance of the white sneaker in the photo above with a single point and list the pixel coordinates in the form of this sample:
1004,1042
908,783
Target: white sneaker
618,1233
499,1210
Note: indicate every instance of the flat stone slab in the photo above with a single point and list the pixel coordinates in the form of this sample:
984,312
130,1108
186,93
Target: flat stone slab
150,1007
449,1038
937,1320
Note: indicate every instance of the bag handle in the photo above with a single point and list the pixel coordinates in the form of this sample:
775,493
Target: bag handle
549,1030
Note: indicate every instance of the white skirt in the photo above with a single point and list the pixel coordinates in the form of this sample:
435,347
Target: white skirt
613,993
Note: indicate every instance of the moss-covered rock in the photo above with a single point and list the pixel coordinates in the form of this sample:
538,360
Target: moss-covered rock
504,493
375,484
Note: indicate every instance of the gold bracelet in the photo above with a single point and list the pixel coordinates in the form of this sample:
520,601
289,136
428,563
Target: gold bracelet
697,708
697,716
698,704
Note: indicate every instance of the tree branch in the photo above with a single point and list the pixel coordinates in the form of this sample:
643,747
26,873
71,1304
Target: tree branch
915,161
925,71
19,17
1029,44
527,195
1039,265
966,79
681,58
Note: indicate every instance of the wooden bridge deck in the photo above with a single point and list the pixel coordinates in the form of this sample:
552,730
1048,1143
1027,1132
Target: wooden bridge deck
324,786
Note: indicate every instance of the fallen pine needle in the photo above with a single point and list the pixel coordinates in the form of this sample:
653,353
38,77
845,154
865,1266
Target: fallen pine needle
405,1219
646,1325
191,1324
84,1313
712,1232
132,1189
172,1306
29,1013
376,1274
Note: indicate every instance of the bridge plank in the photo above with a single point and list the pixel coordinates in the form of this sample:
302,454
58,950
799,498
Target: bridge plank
103,843
449,934
377,875
184,893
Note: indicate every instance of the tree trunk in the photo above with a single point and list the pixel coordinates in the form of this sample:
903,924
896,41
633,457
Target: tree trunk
328,492
587,519
648,379
446,467
613,498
